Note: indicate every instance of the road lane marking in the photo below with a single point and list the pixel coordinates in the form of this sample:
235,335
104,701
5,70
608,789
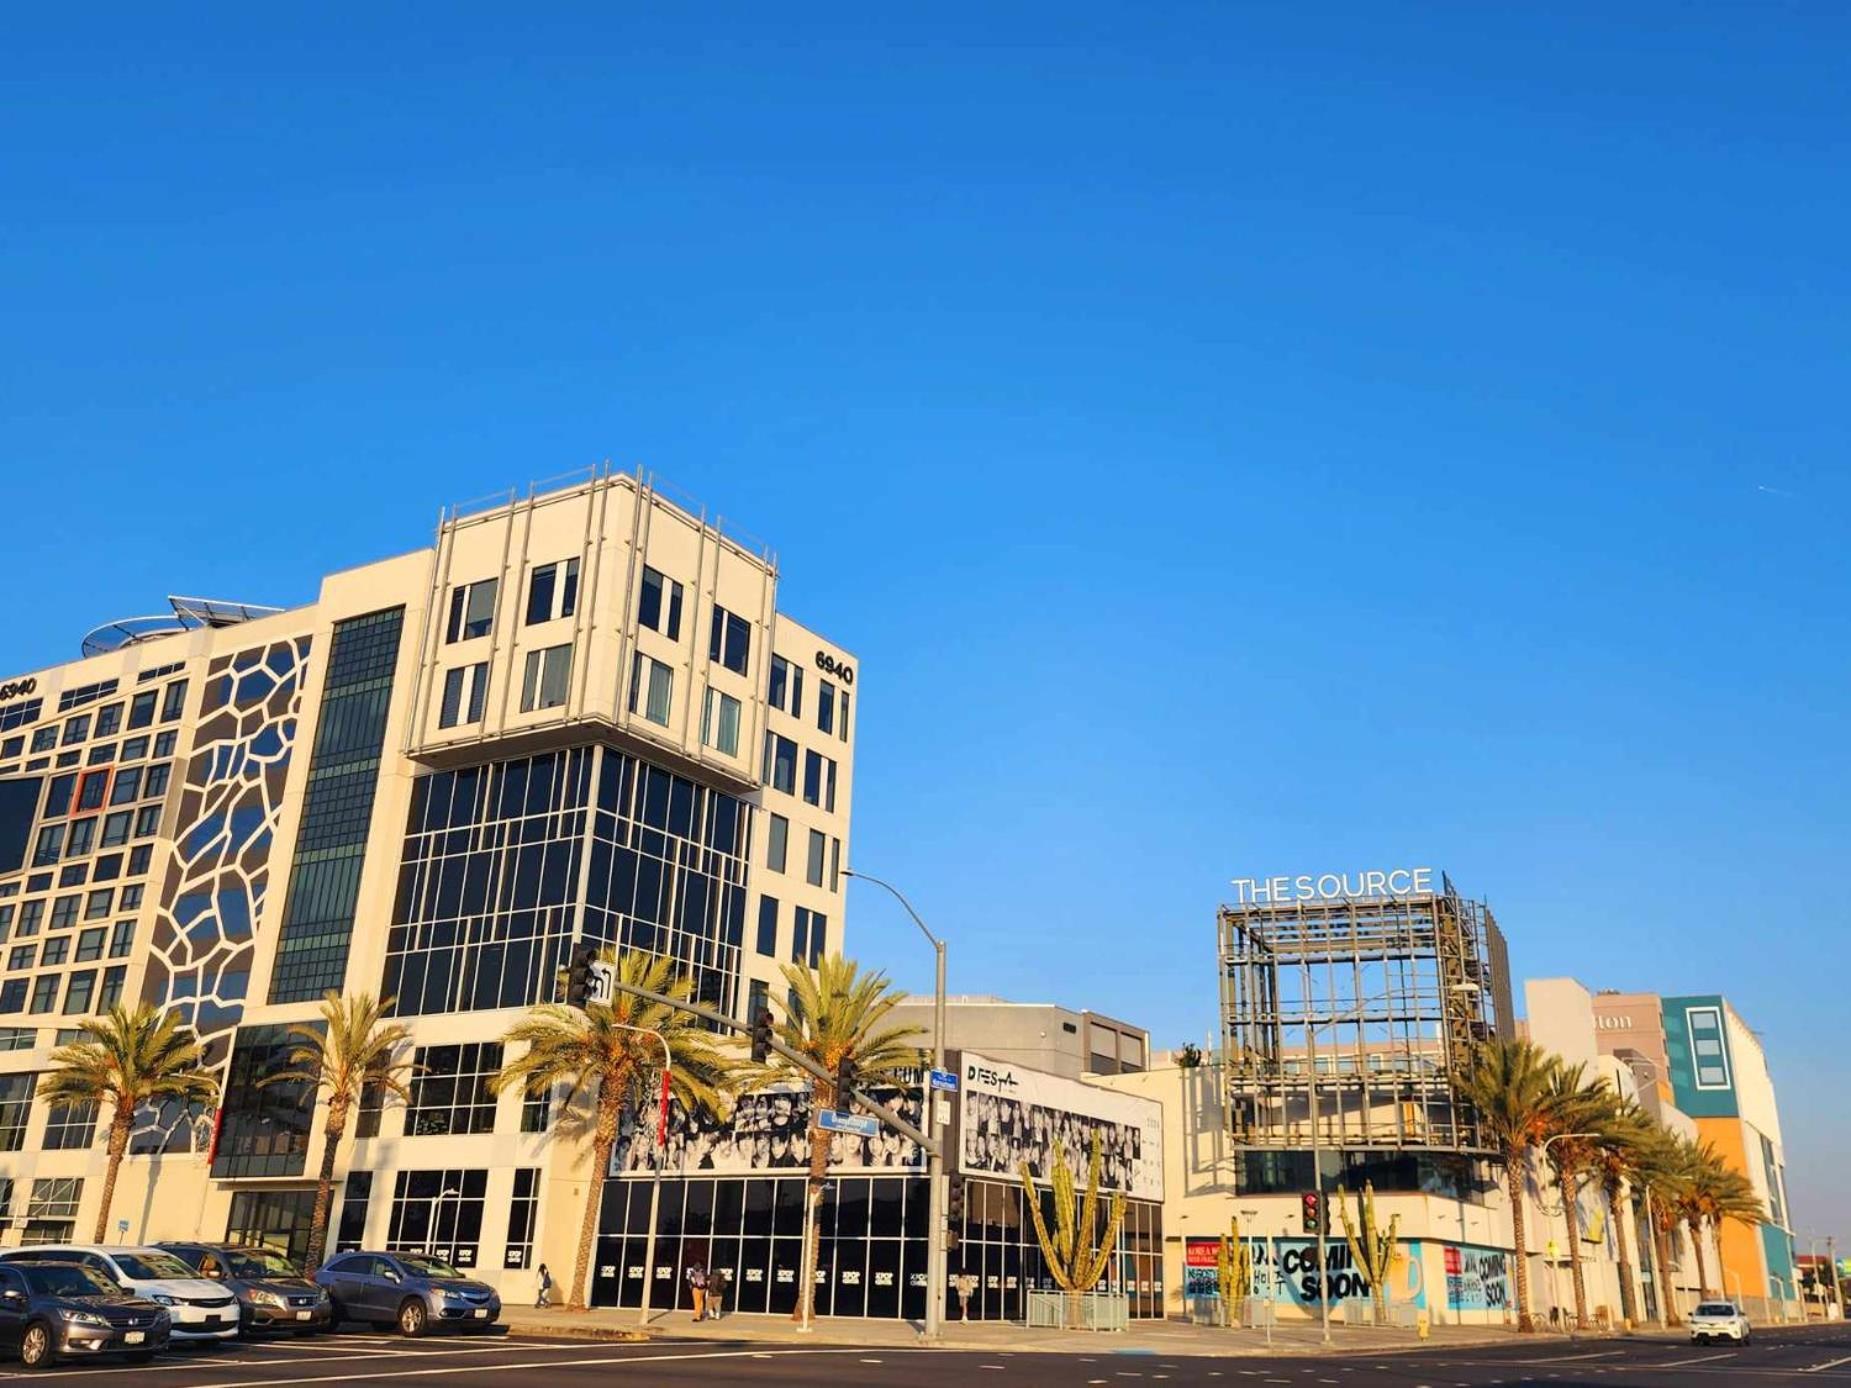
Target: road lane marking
1828,1364
1695,1359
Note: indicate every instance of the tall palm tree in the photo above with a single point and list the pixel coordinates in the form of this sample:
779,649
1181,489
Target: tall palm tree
130,1059
603,1055
1583,1107
836,1014
1716,1193
352,1049
1625,1136
1509,1086
1663,1174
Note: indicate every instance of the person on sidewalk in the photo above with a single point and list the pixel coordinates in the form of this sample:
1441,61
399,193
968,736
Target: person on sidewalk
546,1288
697,1283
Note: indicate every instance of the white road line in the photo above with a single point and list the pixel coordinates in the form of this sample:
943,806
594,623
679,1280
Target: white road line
1695,1359
1828,1364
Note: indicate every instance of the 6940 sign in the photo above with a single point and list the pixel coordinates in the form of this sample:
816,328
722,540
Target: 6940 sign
829,665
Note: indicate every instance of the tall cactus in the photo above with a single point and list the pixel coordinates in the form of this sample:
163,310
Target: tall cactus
1233,1272
1075,1261
1373,1252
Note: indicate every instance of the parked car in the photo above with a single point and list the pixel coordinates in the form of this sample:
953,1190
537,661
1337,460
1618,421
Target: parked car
272,1293
63,1310
411,1290
1718,1320
201,1312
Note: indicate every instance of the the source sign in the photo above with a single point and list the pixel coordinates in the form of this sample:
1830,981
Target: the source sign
1333,886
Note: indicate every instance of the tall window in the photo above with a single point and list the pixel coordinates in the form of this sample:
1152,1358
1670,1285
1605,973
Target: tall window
465,695
730,640
51,1209
451,1093
786,688
523,1216
548,673
720,722
70,1127
472,610
809,936
777,842
552,592
141,710
659,608
781,763
825,706
842,717
173,703
438,1212
652,686
813,867
768,926
356,1194
15,1106
819,780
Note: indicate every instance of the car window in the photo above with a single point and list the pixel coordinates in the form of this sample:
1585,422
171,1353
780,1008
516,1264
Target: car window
192,1257
11,1280
146,1267
1716,1308
67,1279
426,1266
259,1262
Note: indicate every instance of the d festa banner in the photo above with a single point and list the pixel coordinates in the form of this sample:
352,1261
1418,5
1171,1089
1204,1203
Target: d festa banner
1008,1115
767,1133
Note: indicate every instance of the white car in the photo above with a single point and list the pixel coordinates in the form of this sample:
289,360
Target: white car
1718,1320
201,1310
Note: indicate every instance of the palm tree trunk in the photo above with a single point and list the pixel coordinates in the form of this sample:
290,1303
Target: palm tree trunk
1513,1175
119,1126
324,1184
1661,1276
1696,1248
604,1137
1571,1216
1628,1306
820,1096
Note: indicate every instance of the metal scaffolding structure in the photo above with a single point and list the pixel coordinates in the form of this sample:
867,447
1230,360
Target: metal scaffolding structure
1384,997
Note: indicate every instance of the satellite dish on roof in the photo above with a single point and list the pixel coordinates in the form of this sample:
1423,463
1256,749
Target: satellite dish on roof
189,614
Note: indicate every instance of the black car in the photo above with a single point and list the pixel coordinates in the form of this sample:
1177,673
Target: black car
272,1292
62,1310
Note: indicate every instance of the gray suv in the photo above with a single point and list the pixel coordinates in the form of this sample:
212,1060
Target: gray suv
413,1291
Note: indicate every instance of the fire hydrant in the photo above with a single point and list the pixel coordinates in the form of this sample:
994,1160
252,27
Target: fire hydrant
1421,1324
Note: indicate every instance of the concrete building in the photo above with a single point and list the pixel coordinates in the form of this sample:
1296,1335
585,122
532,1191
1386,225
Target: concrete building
1042,1036
578,716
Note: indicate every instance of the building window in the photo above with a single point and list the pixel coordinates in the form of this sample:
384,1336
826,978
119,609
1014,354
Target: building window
819,781
70,1127
98,903
809,936
825,706
51,1209
472,610
164,744
50,844
109,720
141,709
90,945
147,821
465,695
537,1112
275,1219
92,790
22,957
173,704
156,783
720,723
82,839
730,640
835,865
659,609
548,673
523,1216
777,842
440,1213
122,939
813,865
651,688
13,995
64,912
30,914
127,789
786,690
1708,1055
768,926
77,729
355,1194
780,763
552,592
15,1107
111,994
135,748
451,1091
263,1128
18,1038
77,992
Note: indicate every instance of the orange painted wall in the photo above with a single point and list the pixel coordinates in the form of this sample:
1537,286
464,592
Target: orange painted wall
1741,1245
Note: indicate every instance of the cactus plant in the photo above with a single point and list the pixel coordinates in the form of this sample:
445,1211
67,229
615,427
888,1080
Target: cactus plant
1373,1251
1075,1261
1233,1272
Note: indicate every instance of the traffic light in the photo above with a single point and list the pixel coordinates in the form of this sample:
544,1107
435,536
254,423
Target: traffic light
845,1079
761,1036
954,1211
578,977
1313,1214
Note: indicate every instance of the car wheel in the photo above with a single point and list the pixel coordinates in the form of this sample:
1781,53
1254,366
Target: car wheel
35,1347
412,1318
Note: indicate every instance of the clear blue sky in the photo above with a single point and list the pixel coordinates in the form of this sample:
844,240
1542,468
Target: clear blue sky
1235,439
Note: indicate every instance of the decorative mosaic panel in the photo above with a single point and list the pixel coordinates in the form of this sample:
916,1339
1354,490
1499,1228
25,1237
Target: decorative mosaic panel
213,891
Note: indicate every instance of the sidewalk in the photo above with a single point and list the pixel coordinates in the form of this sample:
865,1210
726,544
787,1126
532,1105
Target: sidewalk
1144,1337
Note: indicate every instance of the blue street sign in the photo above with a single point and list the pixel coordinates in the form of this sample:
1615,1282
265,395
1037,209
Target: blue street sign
832,1122
946,1080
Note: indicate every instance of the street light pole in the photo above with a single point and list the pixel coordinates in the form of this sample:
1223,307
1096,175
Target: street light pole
936,1185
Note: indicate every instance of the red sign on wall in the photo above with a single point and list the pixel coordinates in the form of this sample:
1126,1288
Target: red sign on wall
1201,1253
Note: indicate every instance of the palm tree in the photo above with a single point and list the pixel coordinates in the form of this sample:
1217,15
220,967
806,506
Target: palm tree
835,1015
131,1059
1625,1136
1508,1085
1663,1174
1583,1108
605,1055
1716,1192
353,1048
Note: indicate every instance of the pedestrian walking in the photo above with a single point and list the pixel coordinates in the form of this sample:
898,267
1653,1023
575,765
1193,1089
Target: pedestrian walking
546,1287
697,1283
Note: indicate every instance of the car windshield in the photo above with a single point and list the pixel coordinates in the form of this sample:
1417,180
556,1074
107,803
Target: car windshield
148,1267
65,1279
1716,1308
259,1262
427,1266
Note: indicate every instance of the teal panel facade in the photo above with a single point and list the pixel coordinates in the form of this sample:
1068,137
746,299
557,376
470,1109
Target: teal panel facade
1702,1068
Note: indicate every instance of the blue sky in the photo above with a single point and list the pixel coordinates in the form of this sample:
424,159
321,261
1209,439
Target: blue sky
1235,439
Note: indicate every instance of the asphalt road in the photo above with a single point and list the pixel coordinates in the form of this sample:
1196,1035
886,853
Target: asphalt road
1815,1354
